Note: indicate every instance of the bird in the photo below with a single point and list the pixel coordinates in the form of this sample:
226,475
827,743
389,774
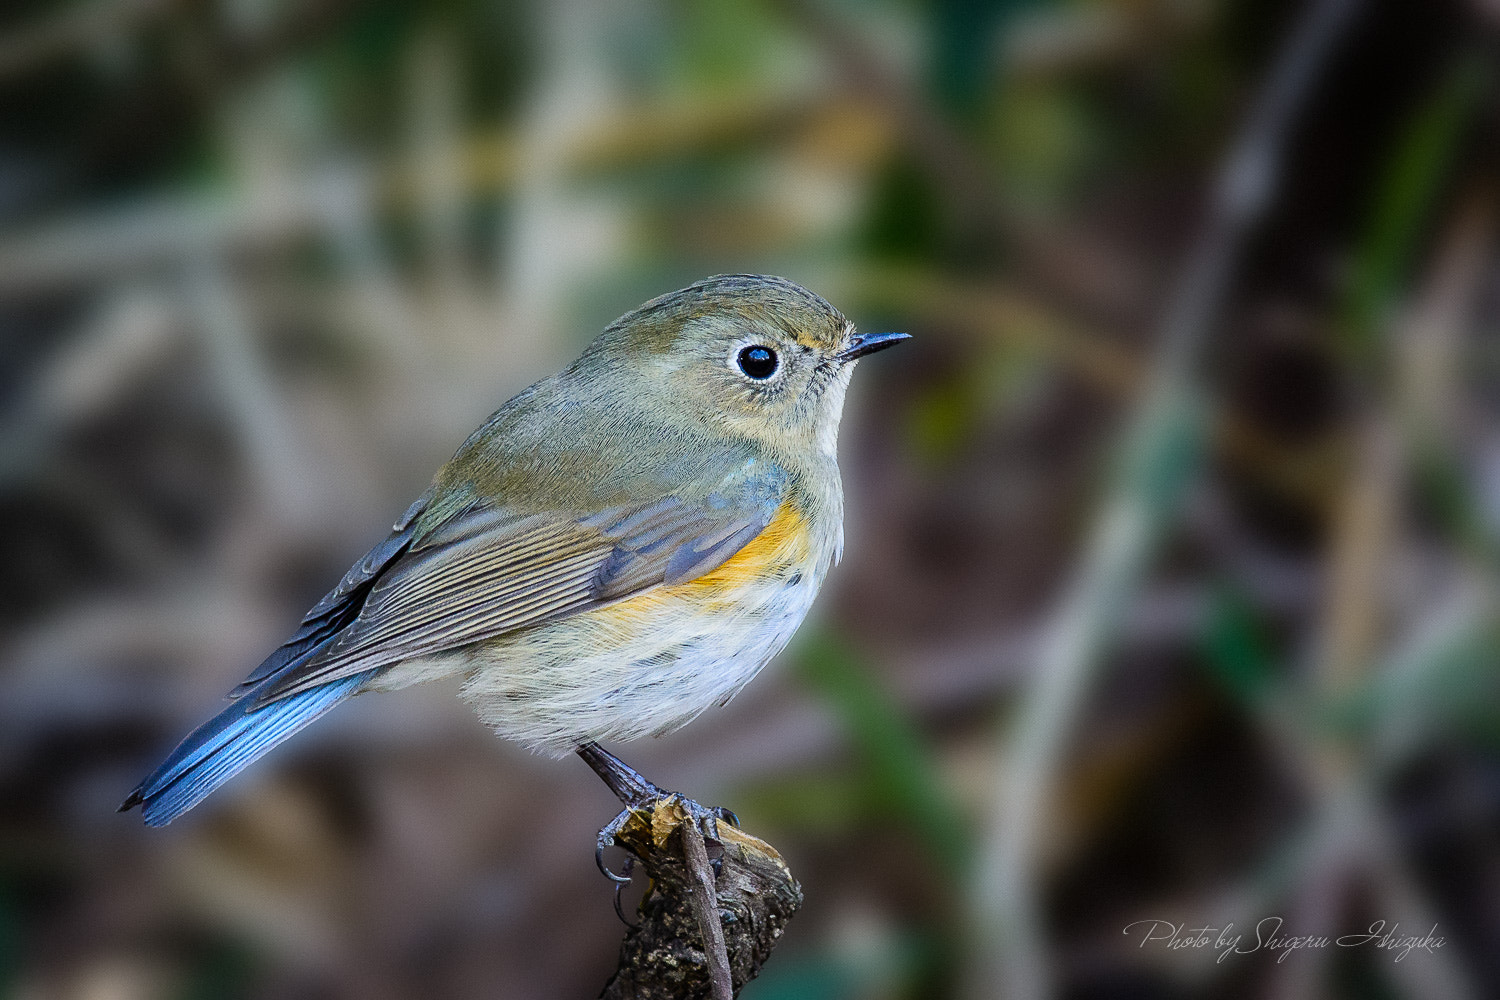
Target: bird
618,548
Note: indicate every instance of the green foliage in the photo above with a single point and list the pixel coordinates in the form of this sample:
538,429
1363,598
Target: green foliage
966,35
1046,141
904,220
722,43
1236,648
1405,193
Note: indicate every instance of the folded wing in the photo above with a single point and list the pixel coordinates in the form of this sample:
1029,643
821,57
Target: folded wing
490,571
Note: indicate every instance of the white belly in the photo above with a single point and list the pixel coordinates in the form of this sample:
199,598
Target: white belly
626,671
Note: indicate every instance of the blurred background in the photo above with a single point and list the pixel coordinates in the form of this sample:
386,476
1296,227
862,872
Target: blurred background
1171,581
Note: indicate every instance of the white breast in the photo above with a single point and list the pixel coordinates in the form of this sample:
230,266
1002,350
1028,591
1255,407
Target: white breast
608,675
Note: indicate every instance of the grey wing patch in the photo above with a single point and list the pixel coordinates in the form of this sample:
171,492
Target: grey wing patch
671,542
698,556
490,571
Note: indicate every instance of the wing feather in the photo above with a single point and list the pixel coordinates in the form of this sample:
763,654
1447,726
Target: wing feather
340,606
488,571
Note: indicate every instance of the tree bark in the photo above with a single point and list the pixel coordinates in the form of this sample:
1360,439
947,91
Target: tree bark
664,957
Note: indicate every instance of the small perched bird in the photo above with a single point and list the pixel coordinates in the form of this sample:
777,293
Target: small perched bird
619,547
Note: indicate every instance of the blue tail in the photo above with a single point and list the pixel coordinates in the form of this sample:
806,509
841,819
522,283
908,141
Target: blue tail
217,750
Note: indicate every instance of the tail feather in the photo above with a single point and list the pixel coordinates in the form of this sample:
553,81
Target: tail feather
217,750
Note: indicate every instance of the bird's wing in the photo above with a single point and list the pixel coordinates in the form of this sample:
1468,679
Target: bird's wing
490,570
341,605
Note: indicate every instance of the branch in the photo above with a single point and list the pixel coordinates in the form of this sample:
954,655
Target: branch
752,898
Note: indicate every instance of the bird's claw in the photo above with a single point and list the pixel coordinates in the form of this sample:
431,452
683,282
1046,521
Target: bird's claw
620,889
607,835
705,818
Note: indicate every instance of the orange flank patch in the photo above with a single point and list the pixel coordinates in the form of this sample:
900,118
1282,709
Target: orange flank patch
780,549
781,546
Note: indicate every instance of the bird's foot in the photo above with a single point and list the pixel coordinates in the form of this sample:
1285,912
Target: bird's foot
661,812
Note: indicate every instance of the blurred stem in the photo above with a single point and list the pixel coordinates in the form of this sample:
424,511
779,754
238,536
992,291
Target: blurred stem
1000,313
1348,825
437,140
1364,530
1009,955
1426,367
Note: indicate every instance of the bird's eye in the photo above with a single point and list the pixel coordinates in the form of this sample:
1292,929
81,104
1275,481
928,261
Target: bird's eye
758,362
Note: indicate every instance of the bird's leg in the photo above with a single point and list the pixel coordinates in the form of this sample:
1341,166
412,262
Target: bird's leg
639,795
628,784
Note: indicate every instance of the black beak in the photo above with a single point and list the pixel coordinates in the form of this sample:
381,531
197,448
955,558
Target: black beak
868,343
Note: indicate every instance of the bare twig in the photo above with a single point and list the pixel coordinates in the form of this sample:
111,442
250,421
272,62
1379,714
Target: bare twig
706,902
